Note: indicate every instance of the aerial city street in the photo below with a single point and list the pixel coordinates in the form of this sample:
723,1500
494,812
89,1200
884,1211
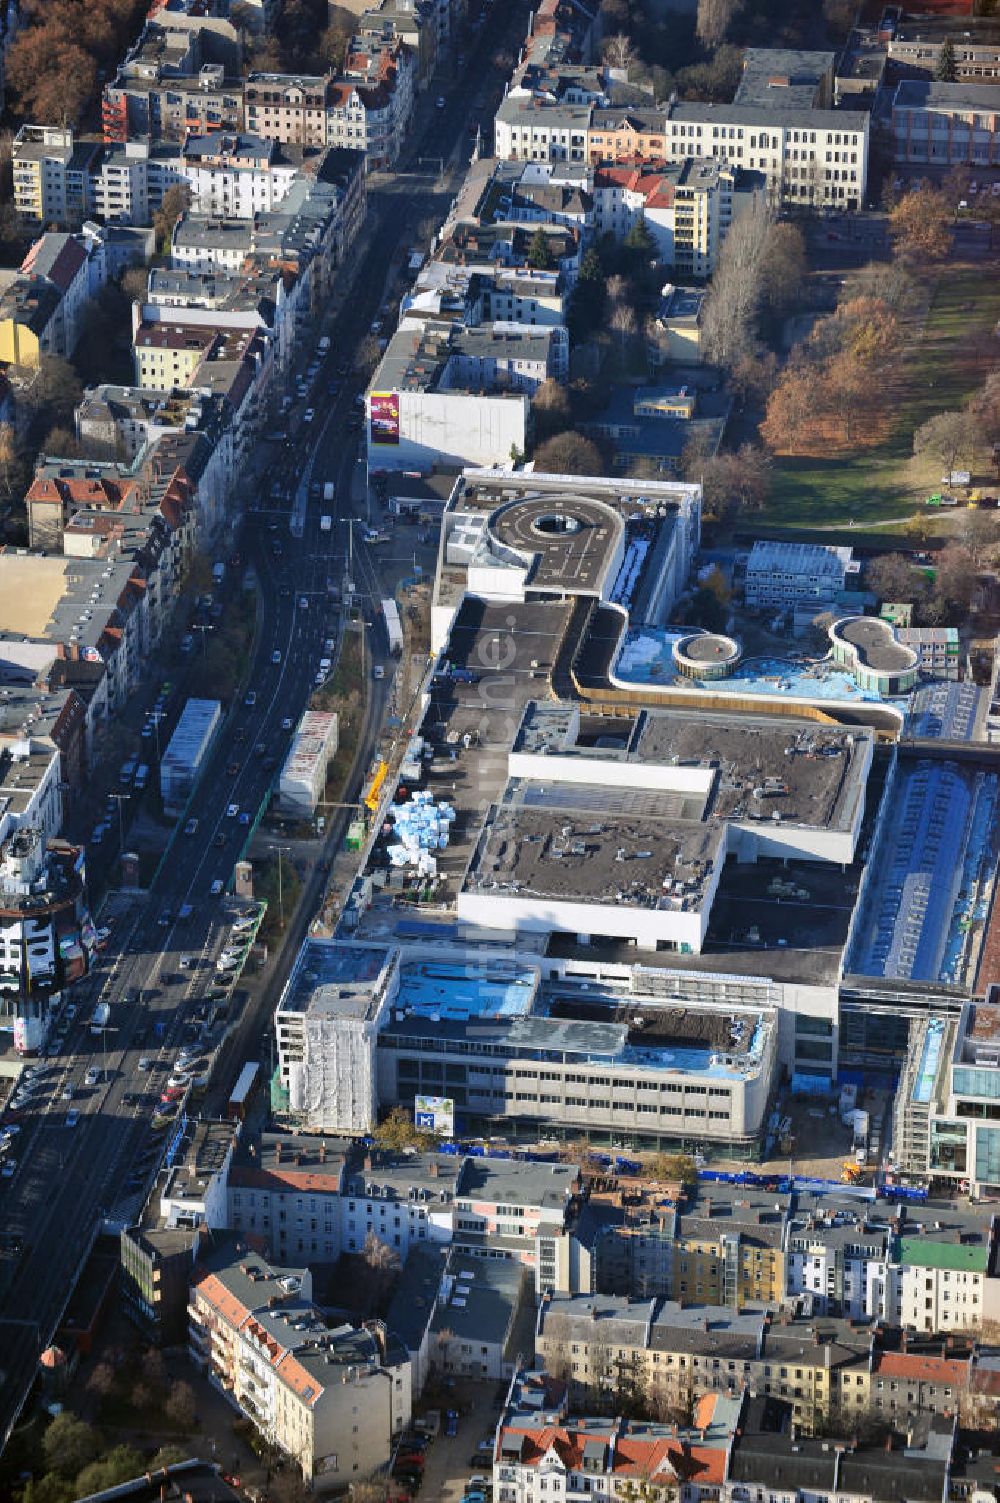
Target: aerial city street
499,751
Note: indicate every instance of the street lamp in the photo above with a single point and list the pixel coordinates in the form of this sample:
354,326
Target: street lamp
156,716
120,798
281,899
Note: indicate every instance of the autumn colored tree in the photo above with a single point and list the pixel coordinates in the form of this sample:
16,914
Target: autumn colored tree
791,408
920,227
871,330
61,49
51,78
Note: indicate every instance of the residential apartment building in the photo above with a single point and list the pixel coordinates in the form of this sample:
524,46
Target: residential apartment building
291,108
626,135
42,308
51,175
945,124
687,208
602,1345
158,1251
842,1265
167,354
541,1451
947,1277
236,176
808,158
371,104
174,81
527,129
314,1201
332,1399
127,182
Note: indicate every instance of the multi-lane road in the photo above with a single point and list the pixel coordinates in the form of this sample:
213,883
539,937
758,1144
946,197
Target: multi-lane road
74,1172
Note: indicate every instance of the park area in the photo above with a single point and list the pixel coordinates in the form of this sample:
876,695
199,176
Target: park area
949,347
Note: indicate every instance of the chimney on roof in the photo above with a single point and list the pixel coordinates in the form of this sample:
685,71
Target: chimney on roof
433,1170
905,1340
322,1153
277,1152
367,1162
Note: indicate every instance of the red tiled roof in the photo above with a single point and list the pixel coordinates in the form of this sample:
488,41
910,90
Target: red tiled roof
919,1367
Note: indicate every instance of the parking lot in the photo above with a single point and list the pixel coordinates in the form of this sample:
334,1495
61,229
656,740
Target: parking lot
450,1459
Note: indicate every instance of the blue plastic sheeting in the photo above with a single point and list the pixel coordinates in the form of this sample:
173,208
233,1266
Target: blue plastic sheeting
646,658
811,1085
424,929
432,988
901,1192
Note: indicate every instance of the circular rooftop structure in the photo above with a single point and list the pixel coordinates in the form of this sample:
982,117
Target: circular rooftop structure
573,540
706,655
870,649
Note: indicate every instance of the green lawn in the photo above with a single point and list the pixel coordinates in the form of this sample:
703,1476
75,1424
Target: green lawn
950,357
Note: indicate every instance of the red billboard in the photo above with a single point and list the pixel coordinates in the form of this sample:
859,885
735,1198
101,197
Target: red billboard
384,417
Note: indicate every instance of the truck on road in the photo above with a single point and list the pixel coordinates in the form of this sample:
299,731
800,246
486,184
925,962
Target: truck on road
393,627
99,1021
325,523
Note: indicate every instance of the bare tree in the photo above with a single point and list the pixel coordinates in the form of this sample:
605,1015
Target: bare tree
714,19
622,321
619,52
947,436
8,454
892,576
378,1255
734,298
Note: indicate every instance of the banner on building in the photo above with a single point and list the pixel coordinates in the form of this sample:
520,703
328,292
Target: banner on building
435,1114
384,417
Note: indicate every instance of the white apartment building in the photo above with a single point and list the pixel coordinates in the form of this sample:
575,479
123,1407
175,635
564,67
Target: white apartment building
236,176
813,158
843,1267
127,184
946,1282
